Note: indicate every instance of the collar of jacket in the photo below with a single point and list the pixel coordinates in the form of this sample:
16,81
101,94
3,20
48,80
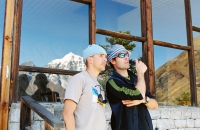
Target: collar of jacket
133,77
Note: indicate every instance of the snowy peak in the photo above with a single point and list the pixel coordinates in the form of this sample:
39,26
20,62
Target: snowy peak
68,62
30,63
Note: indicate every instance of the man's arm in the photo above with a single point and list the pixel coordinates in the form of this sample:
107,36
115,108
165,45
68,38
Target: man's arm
152,104
68,114
141,69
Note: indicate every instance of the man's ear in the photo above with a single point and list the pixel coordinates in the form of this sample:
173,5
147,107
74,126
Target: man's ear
113,61
89,60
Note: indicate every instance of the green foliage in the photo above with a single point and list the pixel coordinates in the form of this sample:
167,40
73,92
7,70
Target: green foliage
183,99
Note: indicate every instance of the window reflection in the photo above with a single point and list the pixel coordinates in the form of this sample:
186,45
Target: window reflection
52,30
195,4
42,87
197,63
172,76
118,15
169,21
2,13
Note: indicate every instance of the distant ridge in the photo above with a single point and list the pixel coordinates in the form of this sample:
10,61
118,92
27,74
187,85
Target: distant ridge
173,77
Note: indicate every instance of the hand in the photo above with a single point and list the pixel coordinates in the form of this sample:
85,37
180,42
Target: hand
140,67
130,103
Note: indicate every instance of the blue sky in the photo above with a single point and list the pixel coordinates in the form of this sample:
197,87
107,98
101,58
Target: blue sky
51,29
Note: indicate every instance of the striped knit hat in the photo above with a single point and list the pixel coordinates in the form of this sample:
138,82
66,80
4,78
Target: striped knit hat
114,50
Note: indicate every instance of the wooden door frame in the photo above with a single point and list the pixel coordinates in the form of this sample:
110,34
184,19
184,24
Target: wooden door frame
10,58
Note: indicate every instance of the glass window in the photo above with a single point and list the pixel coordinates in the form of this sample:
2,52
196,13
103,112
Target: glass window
197,62
42,87
2,13
172,76
54,33
195,4
116,15
169,21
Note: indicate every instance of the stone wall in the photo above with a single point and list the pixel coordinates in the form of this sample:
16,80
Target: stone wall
164,118
176,118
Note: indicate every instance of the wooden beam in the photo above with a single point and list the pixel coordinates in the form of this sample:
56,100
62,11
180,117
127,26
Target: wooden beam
150,47
119,35
141,39
83,1
188,18
144,34
171,45
46,115
92,22
15,52
194,28
6,64
47,70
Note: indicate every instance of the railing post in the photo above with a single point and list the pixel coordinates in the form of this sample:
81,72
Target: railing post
25,116
48,127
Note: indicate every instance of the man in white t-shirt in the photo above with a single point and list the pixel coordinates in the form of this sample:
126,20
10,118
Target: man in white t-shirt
84,107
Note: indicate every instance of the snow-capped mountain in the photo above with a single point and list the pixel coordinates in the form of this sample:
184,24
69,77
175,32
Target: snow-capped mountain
56,82
68,62
30,63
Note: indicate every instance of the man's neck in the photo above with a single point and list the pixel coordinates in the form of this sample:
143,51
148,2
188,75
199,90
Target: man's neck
123,73
94,73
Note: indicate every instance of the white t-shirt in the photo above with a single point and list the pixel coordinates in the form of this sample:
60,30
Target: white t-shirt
89,114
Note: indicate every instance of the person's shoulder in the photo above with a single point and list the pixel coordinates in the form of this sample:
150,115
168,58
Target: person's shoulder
80,75
115,80
110,78
113,77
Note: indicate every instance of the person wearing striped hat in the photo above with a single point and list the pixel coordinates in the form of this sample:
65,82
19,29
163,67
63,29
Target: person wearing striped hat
127,93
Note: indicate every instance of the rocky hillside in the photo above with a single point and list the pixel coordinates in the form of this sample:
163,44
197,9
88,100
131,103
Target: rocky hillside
173,77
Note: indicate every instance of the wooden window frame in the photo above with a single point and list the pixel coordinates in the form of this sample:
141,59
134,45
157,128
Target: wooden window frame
11,49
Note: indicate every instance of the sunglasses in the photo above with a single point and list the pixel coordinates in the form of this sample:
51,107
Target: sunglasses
100,97
122,55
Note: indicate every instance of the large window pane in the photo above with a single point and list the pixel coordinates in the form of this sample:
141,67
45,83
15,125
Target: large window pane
51,30
169,21
119,15
2,13
197,64
54,35
172,76
42,87
195,4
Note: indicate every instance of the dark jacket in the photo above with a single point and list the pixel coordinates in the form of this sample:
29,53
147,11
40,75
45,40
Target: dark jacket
137,117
